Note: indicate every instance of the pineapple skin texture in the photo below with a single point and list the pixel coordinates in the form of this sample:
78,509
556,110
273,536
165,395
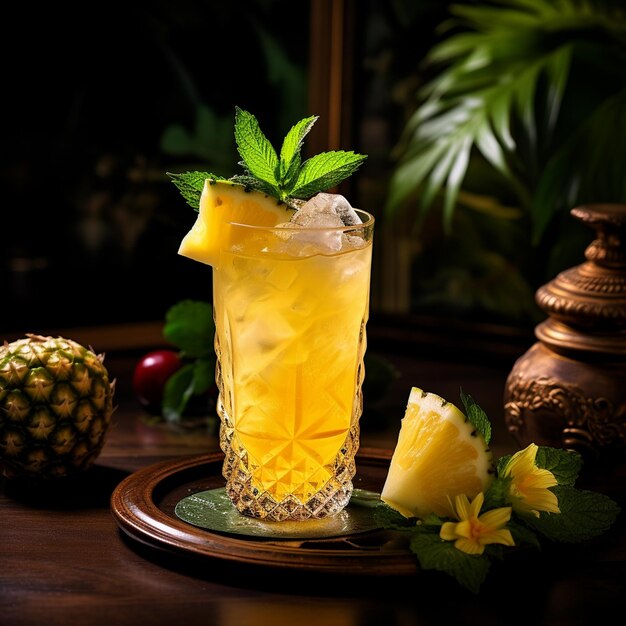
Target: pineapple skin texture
56,403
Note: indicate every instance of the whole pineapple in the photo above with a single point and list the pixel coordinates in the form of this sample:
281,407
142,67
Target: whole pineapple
56,402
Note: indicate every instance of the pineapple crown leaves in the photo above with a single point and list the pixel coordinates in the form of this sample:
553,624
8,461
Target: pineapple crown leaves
282,175
583,514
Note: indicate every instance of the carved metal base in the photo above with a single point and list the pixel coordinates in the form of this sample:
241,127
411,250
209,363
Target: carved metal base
556,401
569,389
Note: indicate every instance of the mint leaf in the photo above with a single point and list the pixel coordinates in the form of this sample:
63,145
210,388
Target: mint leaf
189,326
584,515
250,182
432,552
191,184
324,171
476,416
522,534
390,518
431,520
290,150
564,464
257,152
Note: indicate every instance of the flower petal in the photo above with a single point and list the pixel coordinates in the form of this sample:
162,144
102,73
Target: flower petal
522,462
462,506
496,518
448,531
476,505
523,508
502,536
542,500
540,479
464,529
469,546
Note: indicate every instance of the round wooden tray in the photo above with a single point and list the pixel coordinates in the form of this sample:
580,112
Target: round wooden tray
143,505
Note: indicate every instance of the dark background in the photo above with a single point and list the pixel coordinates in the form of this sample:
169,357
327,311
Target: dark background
99,102
90,222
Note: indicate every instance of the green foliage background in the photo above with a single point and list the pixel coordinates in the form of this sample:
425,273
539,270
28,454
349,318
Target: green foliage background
518,114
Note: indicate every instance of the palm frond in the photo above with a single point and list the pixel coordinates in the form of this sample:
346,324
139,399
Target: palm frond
502,79
589,167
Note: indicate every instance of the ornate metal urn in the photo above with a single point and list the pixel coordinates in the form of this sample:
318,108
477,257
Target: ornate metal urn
569,389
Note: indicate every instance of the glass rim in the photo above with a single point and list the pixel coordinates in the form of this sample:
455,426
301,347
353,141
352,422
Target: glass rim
369,222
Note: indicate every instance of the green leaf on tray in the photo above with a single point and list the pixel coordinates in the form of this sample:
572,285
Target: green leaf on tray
584,515
469,570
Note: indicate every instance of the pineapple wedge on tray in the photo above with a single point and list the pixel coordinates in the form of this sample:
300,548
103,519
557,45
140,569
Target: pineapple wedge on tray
439,455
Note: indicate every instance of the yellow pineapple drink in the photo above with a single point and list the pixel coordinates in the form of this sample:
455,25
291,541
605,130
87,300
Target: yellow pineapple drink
291,274
290,305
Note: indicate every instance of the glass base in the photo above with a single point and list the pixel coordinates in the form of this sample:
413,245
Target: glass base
310,500
213,510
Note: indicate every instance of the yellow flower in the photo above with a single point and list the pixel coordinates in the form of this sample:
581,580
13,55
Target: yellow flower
530,485
473,532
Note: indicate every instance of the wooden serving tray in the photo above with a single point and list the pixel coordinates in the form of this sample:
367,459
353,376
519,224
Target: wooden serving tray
144,503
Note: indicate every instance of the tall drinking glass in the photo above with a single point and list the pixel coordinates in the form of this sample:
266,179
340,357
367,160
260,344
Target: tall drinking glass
291,307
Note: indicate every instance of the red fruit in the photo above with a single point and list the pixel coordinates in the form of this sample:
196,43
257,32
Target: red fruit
150,375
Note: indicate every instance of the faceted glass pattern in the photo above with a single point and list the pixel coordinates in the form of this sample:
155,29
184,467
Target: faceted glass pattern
290,482
290,341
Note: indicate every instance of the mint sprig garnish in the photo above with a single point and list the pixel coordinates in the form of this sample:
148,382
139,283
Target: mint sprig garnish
583,514
282,175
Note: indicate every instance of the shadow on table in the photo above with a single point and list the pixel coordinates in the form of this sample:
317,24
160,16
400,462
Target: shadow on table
89,489
560,586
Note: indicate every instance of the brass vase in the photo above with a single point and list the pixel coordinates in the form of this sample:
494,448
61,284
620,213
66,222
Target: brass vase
569,389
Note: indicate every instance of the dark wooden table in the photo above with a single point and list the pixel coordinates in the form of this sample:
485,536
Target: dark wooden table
65,561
